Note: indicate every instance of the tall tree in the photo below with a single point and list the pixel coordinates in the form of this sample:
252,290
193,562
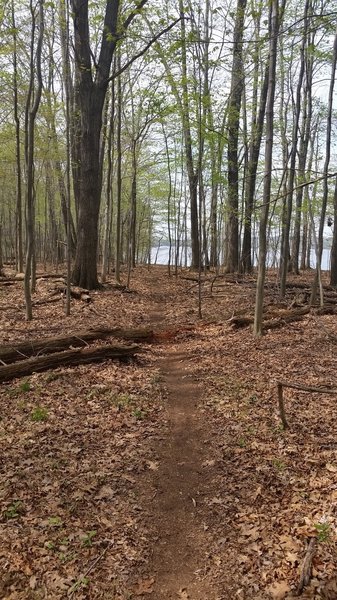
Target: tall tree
274,23
235,98
293,155
92,80
32,106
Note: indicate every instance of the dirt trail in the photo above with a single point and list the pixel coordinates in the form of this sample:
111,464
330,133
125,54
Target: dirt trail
180,556
180,561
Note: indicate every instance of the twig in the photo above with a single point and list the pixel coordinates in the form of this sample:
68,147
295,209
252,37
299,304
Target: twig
307,565
309,388
77,583
302,388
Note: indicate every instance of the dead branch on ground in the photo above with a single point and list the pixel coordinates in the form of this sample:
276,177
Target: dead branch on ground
302,388
306,571
16,351
68,358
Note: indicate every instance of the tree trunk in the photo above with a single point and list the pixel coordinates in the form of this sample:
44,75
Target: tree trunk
237,80
254,153
274,21
333,273
325,171
305,132
90,95
293,156
19,232
32,106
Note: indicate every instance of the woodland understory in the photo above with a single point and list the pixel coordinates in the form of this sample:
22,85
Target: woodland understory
83,463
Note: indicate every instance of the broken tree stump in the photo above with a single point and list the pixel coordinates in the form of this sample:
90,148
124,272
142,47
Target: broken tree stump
18,351
68,358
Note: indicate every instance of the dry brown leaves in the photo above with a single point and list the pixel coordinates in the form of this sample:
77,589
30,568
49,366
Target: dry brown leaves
75,443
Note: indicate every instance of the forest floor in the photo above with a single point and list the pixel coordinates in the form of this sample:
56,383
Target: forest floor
169,477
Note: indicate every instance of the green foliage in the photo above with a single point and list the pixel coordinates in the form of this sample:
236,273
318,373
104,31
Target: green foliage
50,545
55,522
278,464
13,510
88,538
82,582
25,386
121,400
139,414
39,414
323,531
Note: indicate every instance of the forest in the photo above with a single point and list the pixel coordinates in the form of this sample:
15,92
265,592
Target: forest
168,273
209,127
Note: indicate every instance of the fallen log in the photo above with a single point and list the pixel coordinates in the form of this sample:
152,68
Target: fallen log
240,321
75,292
6,283
15,352
68,358
273,320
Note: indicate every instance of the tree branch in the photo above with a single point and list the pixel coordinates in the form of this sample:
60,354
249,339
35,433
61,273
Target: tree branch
298,187
139,6
145,49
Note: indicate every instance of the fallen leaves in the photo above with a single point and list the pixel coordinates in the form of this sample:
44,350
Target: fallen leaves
88,463
183,594
144,586
279,589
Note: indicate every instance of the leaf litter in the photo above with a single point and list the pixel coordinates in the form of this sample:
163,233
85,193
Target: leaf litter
81,466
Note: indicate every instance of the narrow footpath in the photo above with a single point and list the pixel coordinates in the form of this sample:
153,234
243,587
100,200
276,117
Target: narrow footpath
180,557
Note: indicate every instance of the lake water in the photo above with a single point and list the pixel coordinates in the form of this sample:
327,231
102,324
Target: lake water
160,256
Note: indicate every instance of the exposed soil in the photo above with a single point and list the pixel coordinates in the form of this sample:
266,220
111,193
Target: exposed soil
169,477
180,556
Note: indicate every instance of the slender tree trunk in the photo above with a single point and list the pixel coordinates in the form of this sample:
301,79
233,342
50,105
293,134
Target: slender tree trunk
19,232
254,153
333,274
237,83
293,156
274,20
108,205
302,159
119,176
325,172
32,106
192,174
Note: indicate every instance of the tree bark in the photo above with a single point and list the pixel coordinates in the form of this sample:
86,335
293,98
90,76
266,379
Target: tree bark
234,108
254,153
333,273
17,351
293,155
274,21
19,232
32,106
91,82
325,172
65,359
